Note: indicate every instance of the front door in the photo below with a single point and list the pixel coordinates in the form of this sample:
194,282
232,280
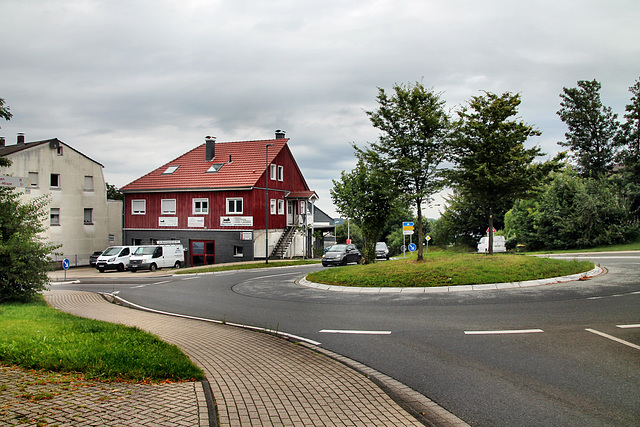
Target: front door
290,211
202,252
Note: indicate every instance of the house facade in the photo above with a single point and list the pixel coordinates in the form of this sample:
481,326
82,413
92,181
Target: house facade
81,219
225,202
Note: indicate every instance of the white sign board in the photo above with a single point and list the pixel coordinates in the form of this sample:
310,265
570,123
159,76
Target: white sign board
407,232
14,181
236,221
195,221
168,221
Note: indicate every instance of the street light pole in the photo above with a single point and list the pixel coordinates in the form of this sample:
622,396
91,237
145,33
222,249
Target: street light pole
266,206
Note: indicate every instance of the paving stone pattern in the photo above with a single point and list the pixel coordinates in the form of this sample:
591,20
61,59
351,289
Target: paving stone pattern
36,398
257,379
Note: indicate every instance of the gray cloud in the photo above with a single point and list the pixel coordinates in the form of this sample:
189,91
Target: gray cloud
134,84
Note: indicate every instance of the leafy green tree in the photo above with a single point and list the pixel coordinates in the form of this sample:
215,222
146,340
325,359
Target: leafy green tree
492,168
592,128
24,256
411,147
629,138
113,193
365,196
574,212
5,114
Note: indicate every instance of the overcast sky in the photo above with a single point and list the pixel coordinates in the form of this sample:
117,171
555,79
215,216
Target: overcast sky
133,84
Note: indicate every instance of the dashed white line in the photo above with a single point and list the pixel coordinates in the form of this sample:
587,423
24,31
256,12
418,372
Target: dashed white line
611,337
508,331
348,331
637,325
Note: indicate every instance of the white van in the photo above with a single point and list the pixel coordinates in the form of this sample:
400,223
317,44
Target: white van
499,244
114,258
152,257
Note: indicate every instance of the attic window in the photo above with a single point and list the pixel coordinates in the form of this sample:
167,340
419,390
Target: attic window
170,170
215,167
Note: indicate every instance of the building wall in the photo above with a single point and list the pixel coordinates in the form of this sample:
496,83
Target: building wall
78,239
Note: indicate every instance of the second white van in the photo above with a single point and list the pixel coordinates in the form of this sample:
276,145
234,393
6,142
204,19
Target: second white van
152,257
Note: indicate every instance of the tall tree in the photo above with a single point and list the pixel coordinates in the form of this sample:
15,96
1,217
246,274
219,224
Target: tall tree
411,147
492,168
24,256
630,133
5,114
592,128
365,196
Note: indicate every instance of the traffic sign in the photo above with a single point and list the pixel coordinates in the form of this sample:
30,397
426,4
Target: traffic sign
65,264
407,232
407,224
14,181
428,238
412,247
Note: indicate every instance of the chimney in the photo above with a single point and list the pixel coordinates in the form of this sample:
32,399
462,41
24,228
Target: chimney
21,138
280,134
1,141
210,142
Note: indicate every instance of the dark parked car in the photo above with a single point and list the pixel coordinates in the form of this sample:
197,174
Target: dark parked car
341,255
382,251
93,258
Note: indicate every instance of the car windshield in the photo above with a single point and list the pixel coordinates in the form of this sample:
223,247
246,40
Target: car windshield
145,250
381,245
114,250
337,248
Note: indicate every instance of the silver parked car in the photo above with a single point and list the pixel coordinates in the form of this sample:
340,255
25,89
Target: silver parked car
382,251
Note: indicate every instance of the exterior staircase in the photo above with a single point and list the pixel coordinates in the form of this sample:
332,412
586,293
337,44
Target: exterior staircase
283,244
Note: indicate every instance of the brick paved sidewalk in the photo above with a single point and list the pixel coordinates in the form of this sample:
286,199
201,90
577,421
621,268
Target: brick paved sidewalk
258,379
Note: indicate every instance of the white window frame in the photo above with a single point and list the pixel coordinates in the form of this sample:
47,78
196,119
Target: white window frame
235,201
280,206
88,183
280,173
238,251
141,210
88,220
202,210
273,206
168,206
54,213
33,179
272,168
58,179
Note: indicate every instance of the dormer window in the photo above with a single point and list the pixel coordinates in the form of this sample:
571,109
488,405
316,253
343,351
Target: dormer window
215,167
170,170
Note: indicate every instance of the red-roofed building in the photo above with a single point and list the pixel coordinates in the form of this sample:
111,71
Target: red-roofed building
213,199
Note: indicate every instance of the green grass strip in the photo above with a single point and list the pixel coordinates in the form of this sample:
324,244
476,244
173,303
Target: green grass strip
449,269
36,336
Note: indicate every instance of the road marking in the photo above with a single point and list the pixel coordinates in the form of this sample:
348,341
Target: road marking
139,286
511,331
637,325
611,337
347,331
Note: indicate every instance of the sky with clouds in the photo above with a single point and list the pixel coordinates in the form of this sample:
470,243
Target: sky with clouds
135,83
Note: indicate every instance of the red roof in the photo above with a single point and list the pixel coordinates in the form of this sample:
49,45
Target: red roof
242,163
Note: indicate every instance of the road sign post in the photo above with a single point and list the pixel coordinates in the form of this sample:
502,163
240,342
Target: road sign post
65,266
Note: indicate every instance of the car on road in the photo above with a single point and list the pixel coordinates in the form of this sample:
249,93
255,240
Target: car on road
93,258
341,254
382,251
114,258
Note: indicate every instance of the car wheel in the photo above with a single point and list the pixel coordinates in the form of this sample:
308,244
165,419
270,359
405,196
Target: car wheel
177,265
133,270
120,267
101,270
344,261
153,267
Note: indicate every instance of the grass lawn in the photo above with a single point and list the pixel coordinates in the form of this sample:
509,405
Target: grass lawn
36,336
449,269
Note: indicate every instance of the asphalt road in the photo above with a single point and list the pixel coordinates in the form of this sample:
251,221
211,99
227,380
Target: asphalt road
564,354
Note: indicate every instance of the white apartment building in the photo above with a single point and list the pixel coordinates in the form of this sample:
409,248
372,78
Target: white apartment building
81,219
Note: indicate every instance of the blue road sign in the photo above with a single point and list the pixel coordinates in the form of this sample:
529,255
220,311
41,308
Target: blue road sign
65,264
407,224
412,247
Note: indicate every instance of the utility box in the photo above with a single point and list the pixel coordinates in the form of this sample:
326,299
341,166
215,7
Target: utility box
499,244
